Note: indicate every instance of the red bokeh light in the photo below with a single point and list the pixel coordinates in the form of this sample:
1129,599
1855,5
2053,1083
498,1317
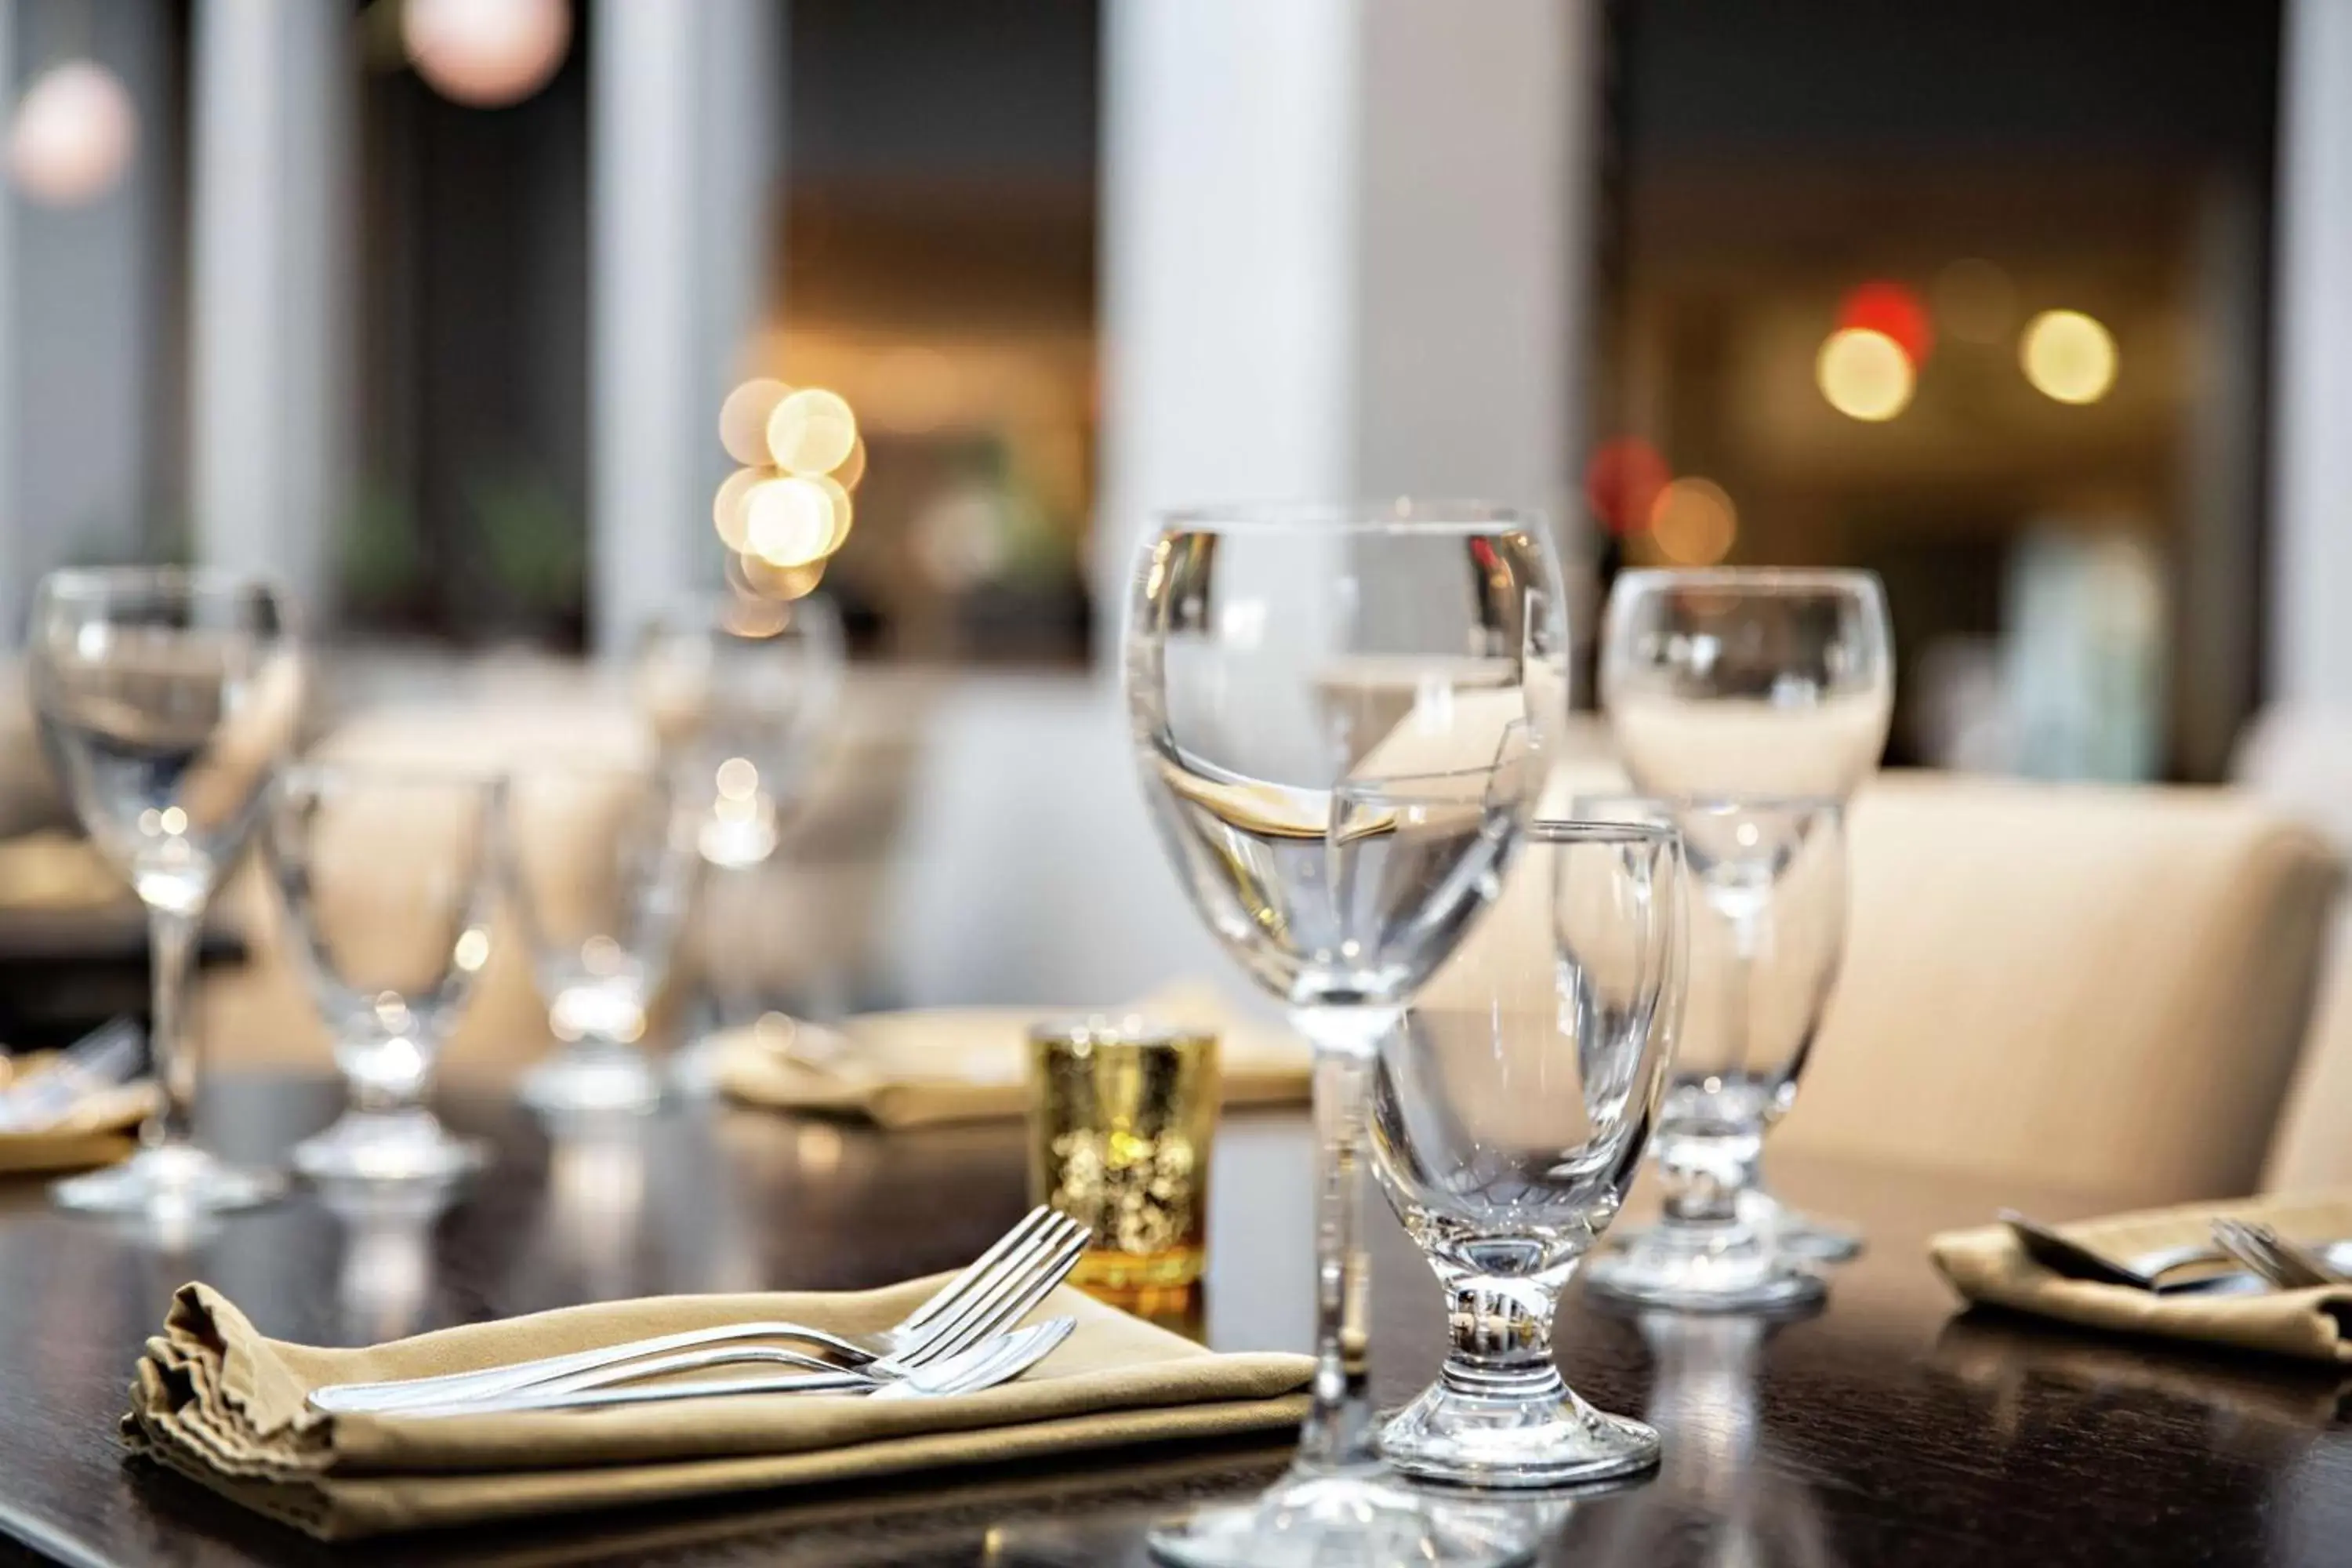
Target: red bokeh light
1621,481
1888,308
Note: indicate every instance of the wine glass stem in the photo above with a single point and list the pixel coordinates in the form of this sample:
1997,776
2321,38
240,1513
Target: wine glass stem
171,941
1502,1336
1340,1427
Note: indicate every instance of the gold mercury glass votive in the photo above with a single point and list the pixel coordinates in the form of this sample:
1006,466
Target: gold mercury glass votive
1121,1115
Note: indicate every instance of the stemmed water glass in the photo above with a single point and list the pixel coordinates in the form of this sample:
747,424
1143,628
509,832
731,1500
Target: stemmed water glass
388,878
740,695
167,700
1766,936
1335,713
601,864
1751,683
1509,1118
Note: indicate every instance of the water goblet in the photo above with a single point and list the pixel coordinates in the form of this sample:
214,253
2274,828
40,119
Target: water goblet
1337,714
1767,931
388,879
601,864
1739,682
167,699
1509,1118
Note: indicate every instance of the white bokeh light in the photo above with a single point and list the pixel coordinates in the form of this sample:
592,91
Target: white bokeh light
486,53
73,136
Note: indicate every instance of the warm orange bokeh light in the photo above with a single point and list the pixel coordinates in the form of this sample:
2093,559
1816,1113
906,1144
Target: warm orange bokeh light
1864,374
812,431
788,522
1693,522
743,420
1621,481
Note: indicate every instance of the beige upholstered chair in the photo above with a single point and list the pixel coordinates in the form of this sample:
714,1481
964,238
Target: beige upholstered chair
2098,989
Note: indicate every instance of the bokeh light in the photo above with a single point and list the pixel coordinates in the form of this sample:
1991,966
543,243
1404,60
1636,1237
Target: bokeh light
750,574
2068,356
787,521
1693,522
74,133
1893,311
812,431
1621,481
853,467
1975,301
486,53
836,496
727,506
743,420
1864,374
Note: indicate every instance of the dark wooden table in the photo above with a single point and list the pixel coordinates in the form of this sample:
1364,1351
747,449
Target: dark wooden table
1886,1430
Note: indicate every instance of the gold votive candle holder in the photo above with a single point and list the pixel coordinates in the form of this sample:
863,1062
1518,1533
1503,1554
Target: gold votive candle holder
1122,1114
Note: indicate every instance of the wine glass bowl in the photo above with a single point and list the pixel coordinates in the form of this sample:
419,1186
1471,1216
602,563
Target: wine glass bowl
167,699
1339,717
1508,1118
391,943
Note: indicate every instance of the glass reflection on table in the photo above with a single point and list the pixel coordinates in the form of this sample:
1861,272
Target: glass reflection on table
386,1279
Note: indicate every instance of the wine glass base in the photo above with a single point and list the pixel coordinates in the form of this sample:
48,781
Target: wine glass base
387,1146
170,1182
1815,1241
1550,1441
1639,1279
1361,1516
600,1080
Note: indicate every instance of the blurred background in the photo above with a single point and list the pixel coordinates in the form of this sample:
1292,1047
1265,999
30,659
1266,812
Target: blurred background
433,306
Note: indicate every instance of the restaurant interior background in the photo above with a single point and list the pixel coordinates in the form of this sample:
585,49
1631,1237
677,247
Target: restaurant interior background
2026,307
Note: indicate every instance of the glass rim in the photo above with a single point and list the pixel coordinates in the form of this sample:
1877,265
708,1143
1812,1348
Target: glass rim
1554,828
222,582
1767,579
1392,515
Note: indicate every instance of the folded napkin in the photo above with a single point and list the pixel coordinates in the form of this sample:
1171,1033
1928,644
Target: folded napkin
219,1402
1986,1265
53,870
99,1132
972,1064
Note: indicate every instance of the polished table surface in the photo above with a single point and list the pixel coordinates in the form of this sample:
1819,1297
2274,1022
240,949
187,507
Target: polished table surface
1887,1430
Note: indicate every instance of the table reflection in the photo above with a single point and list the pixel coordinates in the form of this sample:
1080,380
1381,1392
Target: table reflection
387,1275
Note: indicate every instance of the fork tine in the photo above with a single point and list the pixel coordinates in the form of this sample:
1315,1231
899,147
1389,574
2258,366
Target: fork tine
952,1331
1012,1301
1012,1355
980,1268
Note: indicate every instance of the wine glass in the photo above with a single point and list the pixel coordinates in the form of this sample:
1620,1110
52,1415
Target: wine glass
391,940
1337,713
1748,682
740,695
167,699
602,862
1508,1118
1766,935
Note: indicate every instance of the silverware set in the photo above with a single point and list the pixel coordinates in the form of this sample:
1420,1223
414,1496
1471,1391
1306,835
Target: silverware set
2262,1258
961,1340
106,1058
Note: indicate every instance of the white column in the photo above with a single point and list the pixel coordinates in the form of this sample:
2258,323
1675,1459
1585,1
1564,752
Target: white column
2311,494
271,101
681,138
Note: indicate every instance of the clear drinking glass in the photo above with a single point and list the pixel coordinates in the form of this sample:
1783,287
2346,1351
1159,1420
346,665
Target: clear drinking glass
388,880
167,700
740,695
1335,713
1767,931
1748,682
1509,1118
602,866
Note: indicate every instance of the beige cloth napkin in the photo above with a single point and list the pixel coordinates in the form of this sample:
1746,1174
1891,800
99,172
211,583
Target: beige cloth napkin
1986,1265
219,1402
54,870
972,1064
99,1132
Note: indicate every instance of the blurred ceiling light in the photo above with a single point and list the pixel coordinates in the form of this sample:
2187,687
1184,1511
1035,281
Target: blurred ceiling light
744,419
2068,356
812,431
1693,522
486,53
74,133
727,508
1864,374
1621,481
1975,301
836,496
787,521
1893,311
853,467
750,574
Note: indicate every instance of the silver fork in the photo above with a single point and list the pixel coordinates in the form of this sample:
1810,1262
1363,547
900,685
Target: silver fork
997,1289
992,1362
2282,1262
106,1057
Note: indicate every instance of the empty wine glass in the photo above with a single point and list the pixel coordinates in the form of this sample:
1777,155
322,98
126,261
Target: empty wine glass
602,866
1508,1118
1766,930
388,879
739,694
167,699
1751,682
1335,713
